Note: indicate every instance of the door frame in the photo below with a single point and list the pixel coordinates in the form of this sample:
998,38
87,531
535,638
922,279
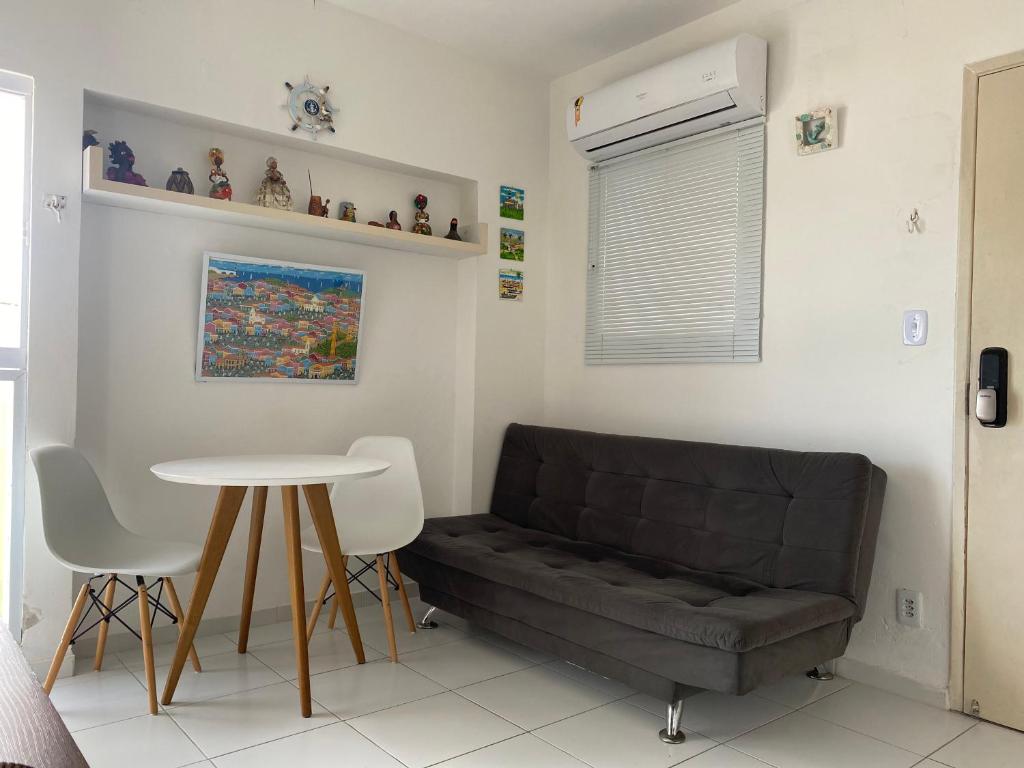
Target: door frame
962,365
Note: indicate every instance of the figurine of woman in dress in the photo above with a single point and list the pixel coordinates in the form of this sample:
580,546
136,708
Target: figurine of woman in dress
273,191
220,185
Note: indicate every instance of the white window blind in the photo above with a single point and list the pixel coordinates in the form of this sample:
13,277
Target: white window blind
674,257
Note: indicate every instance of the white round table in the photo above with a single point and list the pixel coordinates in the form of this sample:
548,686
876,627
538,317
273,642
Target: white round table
234,474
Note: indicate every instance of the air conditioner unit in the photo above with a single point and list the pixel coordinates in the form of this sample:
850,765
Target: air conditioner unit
722,84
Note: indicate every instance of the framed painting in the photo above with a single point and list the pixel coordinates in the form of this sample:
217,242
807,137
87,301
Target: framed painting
512,201
269,320
513,244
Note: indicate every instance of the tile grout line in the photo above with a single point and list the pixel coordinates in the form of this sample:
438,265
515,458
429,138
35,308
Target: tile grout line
929,755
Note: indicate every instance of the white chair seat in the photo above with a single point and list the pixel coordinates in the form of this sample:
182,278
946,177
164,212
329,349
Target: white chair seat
355,541
129,553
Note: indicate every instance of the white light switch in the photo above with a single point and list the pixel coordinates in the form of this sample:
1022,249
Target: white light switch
915,327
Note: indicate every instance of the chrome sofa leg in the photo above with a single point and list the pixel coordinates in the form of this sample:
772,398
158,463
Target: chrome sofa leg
820,674
672,733
426,622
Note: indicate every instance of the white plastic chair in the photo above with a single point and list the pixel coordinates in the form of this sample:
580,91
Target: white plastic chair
83,533
375,517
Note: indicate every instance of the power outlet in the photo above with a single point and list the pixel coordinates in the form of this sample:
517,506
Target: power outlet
909,607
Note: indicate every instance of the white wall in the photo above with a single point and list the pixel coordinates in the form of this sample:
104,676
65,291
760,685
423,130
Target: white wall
839,268
401,98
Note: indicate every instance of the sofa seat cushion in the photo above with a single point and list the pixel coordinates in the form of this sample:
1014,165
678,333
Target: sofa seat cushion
706,609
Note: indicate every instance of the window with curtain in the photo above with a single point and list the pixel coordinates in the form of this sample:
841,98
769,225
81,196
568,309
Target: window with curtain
674,253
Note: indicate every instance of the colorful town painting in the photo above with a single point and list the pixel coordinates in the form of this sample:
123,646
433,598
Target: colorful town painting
513,244
511,202
510,284
276,320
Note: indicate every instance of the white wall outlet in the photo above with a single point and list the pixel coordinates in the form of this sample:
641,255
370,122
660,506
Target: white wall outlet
909,607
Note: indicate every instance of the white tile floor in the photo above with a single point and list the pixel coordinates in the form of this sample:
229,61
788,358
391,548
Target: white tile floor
465,698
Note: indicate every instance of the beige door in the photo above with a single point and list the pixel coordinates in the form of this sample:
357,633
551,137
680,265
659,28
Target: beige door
994,639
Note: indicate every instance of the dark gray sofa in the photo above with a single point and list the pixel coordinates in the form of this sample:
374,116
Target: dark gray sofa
662,563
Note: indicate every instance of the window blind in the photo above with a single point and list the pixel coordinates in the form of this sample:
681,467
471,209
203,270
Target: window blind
674,252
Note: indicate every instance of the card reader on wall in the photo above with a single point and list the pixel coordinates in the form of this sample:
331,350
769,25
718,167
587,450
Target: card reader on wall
990,407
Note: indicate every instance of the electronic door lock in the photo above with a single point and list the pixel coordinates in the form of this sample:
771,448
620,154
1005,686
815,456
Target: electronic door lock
990,405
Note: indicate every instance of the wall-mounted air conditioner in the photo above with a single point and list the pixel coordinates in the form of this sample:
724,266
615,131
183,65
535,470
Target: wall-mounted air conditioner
722,84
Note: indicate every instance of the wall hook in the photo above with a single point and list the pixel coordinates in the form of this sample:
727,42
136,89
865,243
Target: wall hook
56,203
912,222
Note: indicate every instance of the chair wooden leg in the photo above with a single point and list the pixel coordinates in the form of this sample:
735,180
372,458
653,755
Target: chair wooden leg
319,502
229,501
147,643
333,619
385,601
65,640
101,641
290,497
397,574
311,624
252,562
172,596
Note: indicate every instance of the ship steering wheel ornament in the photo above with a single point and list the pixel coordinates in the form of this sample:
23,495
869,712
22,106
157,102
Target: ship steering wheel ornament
310,108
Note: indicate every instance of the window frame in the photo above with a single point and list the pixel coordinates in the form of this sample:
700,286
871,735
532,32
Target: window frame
741,344
14,368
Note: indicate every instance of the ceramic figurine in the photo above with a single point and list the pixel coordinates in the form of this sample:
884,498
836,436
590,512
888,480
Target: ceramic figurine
220,185
123,159
393,221
422,225
179,181
453,231
347,212
318,208
89,139
374,224
273,191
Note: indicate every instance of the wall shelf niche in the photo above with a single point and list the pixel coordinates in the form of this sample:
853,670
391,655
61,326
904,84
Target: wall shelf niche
156,131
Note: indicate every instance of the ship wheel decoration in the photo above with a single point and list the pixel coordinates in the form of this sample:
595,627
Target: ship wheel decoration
310,107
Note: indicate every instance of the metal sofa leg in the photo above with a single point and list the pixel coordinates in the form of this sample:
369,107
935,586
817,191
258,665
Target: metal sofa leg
820,674
426,622
672,733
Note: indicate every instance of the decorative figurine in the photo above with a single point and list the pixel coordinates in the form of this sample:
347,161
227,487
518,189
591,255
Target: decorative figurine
453,231
393,221
309,107
273,191
123,159
220,185
179,181
347,212
316,207
422,226
374,224
89,139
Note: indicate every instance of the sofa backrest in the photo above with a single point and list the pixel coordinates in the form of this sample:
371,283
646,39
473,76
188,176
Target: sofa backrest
778,518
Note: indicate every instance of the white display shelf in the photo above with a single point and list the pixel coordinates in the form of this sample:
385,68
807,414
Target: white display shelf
98,189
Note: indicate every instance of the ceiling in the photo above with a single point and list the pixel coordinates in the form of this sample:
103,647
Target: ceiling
549,37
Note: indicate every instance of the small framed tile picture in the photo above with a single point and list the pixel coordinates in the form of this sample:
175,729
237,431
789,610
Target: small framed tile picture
816,131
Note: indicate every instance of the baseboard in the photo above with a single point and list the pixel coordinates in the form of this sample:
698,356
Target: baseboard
891,682
168,633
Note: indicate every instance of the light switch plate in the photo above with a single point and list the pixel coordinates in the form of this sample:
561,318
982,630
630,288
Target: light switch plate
915,327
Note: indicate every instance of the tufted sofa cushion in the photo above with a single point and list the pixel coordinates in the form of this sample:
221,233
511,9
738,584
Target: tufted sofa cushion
707,609
783,520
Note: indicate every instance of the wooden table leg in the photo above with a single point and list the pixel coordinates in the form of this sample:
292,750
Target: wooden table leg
252,562
319,503
229,501
290,498
172,597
